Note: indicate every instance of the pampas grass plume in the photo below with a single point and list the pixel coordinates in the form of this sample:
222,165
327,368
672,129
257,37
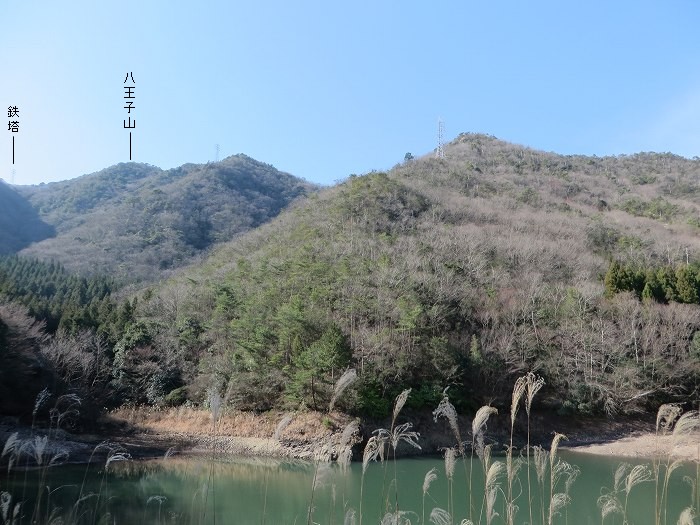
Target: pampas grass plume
534,384
345,380
481,417
450,460
518,391
555,445
687,517
440,516
447,410
666,416
284,423
398,405
430,476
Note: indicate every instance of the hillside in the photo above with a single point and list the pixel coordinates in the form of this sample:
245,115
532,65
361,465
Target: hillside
20,224
462,272
136,221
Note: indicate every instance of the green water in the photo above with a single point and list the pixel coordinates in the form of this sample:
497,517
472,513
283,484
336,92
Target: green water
255,491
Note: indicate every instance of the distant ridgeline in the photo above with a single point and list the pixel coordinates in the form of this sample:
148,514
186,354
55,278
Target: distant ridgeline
137,221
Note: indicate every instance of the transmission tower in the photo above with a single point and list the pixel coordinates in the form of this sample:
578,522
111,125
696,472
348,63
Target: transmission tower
440,151
217,154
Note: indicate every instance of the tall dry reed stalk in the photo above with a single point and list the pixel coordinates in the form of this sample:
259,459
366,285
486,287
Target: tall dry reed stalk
450,458
447,410
277,435
625,479
373,449
665,418
344,381
430,476
492,473
478,428
511,470
398,434
557,468
215,406
534,385
687,425
440,516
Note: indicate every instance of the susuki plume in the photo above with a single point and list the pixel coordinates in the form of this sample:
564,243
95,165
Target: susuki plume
555,445
534,384
518,391
398,517
372,451
450,456
284,423
687,517
687,424
609,504
440,516
481,417
490,504
540,462
398,405
495,471
43,396
620,475
430,476
558,502
350,433
348,438
666,416
349,517
447,410
345,380
639,474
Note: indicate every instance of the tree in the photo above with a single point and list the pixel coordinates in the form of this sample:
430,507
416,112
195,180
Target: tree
686,285
316,367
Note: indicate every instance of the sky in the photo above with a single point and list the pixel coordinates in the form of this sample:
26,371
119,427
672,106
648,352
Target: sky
326,89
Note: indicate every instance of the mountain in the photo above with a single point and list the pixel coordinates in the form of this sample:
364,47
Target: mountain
20,224
463,271
136,221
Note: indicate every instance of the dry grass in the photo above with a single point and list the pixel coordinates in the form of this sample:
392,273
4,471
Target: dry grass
305,426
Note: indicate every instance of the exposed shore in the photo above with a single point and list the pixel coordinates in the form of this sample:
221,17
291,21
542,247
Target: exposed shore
150,433
646,445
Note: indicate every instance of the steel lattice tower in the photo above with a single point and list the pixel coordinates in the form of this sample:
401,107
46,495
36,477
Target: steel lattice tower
440,151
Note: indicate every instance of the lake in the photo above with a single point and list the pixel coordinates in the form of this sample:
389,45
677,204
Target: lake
194,490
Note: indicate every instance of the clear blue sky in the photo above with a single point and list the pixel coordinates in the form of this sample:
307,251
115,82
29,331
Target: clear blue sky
325,89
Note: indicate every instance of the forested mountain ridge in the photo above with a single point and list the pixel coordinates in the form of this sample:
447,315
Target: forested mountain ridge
135,221
463,272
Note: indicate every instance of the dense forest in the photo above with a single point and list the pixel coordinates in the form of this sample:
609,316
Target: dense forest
460,272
